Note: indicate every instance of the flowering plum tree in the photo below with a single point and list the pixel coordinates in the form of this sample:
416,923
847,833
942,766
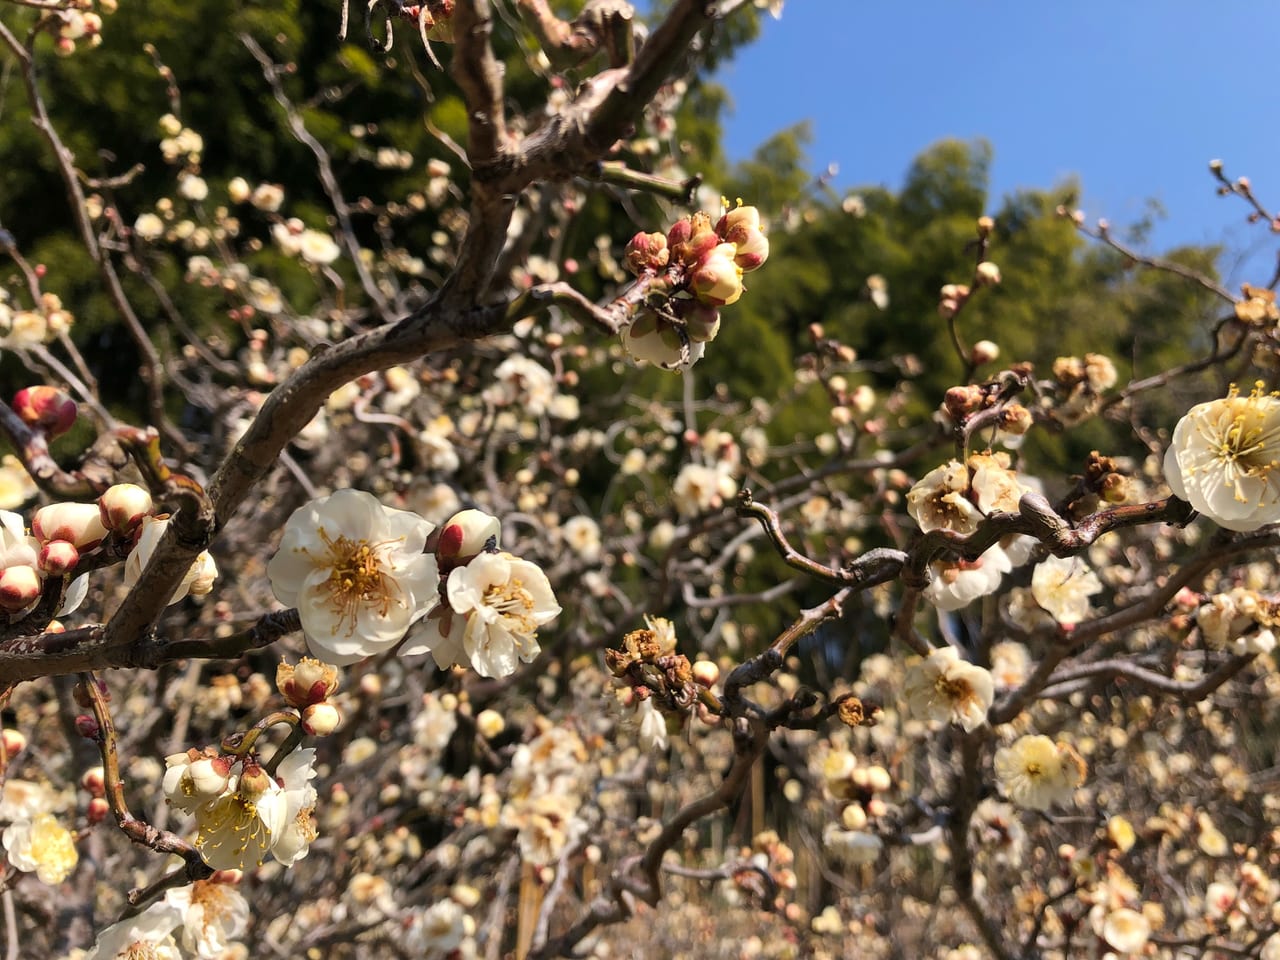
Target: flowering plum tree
424,590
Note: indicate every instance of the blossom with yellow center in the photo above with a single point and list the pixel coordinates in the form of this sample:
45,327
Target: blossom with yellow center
1063,586
43,845
1224,459
356,571
504,600
946,689
1034,772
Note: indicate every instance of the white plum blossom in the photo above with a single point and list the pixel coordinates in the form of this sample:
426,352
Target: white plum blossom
945,689
1224,459
1063,586
523,382
149,934
437,931
957,583
212,912
698,488
582,535
318,248
1034,772
504,600
356,571
41,845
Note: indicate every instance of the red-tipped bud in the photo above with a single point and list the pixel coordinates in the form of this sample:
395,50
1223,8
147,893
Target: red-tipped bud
309,682
20,587
647,253
97,810
78,523
467,534
15,741
122,507
94,780
46,409
680,232
58,557
209,775
959,402
705,673
321,719
87,727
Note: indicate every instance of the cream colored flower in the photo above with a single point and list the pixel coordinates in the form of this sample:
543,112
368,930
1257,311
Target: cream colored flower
1126,930
16,485
504,600
1034,772
147,935
957,583
946,689
237,829
318,248
522,382
148,226
213,914
437,931
1224,459
1063,586
939,500
698,489
43,845
582,535
356,571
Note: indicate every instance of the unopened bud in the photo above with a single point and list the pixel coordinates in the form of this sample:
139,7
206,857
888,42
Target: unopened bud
15,741
20,587
984,351
702,323
647,253
78,523
254,781
94,780
97,810
987,273
705,673
87,727
1015,419
467,534
1215,166
46,409
717,279
58,557
210,775
123,505
959,402
321,719
1115,488
311,681
985,226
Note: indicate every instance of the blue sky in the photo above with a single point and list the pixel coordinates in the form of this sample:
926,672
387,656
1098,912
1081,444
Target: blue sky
1134,97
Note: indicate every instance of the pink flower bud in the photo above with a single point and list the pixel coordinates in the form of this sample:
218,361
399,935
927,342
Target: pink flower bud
647,253
58,557
123,506
94,781
14,742
20,587
321,719
717,279
46,409
87,727
467,533
97,810
78,523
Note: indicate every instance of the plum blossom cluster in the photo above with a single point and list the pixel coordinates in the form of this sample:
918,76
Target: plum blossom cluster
693,270
362,574
958,497
242,812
